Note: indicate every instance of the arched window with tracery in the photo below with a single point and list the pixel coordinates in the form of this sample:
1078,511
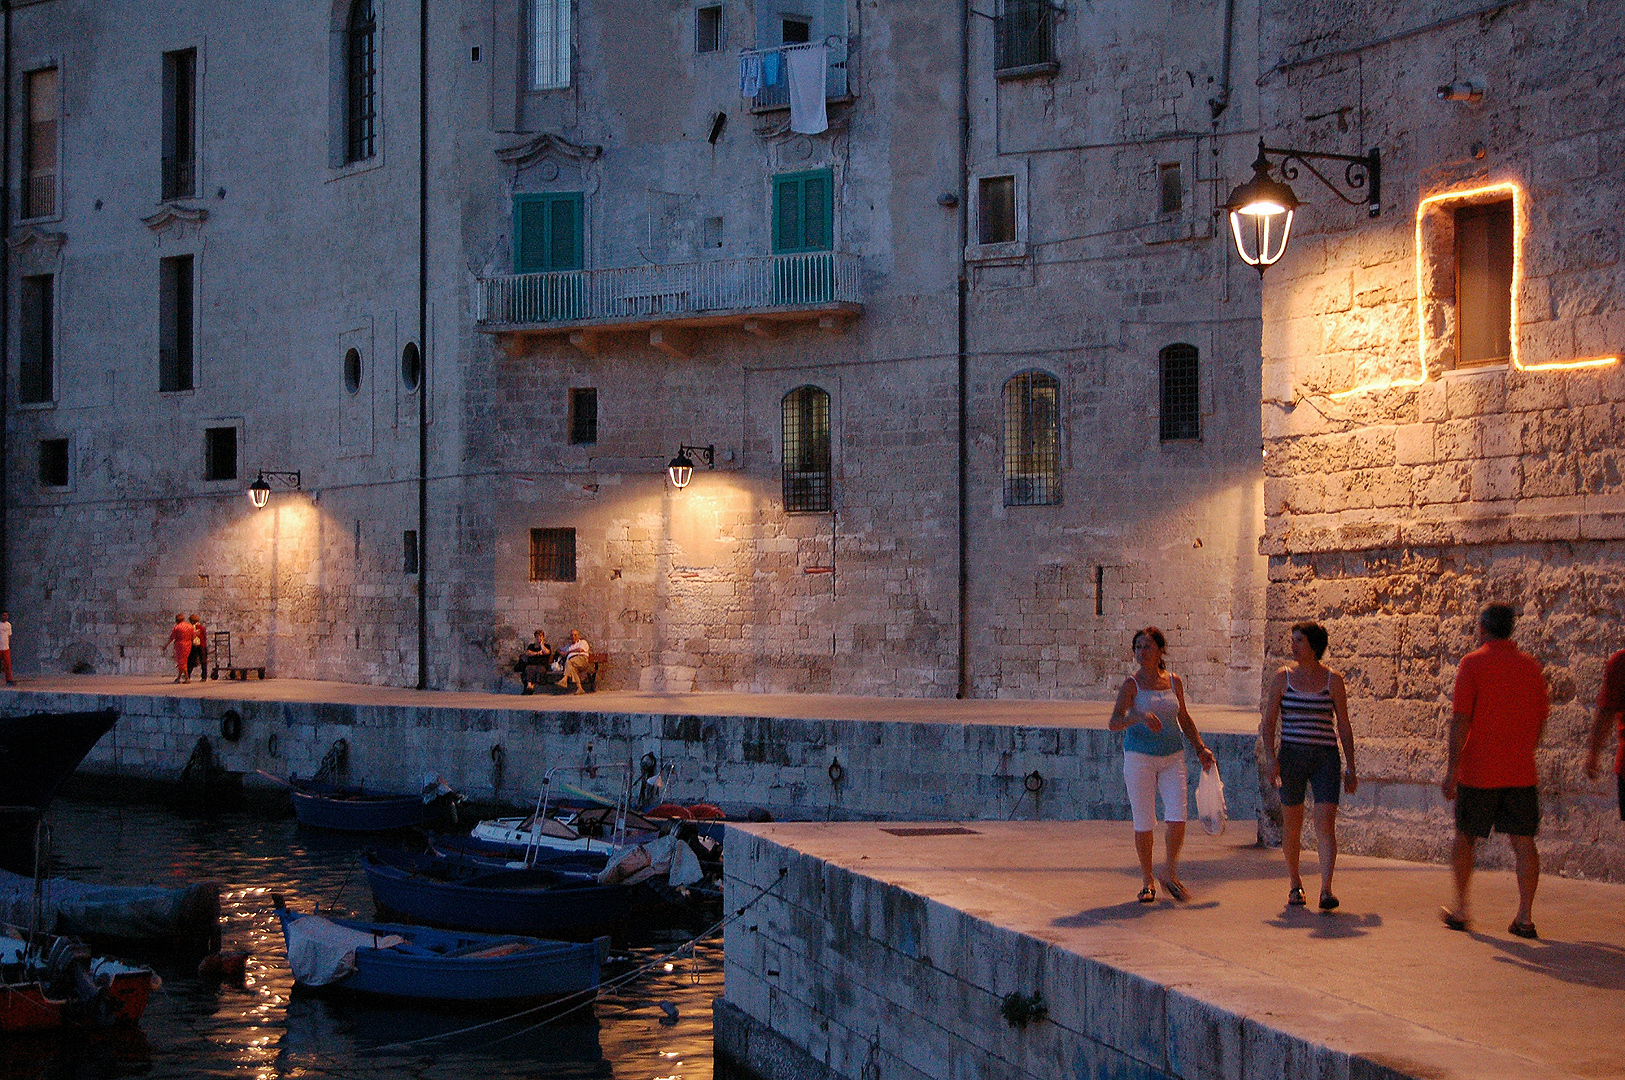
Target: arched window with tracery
1180,411
360,82
1032,440
806,450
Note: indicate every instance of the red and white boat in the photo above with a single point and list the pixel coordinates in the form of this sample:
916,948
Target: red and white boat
48,982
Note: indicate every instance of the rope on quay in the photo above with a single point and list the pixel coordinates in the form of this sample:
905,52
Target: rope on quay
587,996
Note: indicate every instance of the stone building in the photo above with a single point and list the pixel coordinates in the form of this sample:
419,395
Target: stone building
1442,394
968,373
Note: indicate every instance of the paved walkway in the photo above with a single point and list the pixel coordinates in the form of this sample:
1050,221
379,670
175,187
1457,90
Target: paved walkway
1081,714
1380,977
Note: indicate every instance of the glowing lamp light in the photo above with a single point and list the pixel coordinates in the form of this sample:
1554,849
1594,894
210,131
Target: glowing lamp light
259,492
1261,216
681,467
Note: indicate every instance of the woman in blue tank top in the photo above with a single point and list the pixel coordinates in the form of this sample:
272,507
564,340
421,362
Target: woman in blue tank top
1151,713
1308,705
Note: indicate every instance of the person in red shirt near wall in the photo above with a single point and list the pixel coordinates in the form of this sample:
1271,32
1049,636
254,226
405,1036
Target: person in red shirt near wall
1497,717
1610,717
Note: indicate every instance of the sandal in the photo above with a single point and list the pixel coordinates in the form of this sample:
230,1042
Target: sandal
1148,895
1176,889
1452,920
1522,929
1294,897
1327,901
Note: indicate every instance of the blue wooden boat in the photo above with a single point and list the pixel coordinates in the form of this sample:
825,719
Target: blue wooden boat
392,960
354,809
473,896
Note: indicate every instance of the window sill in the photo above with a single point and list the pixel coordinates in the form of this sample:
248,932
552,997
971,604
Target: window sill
1028,71
341,172
48,219
36,406
1011,252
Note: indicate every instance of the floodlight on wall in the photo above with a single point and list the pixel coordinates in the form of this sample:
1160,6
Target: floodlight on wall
259,492
1261,210
681,468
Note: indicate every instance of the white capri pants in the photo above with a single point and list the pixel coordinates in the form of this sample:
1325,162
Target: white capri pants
1148,776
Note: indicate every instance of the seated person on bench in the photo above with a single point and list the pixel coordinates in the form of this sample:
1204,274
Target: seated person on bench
577,661
533,664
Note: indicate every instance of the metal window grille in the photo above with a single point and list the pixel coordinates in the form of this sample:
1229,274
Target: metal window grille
1181,401
806,450
36,368
583,416
552,554
550,45
1025,34
361,82
1032,457
179,161
996,209
175,323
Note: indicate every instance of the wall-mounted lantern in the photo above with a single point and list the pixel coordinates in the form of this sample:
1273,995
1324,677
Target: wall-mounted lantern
259,492
1261,209
681,469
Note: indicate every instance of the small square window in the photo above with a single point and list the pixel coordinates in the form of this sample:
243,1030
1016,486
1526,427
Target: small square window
220,453
712,233
409,551
796,31
583,416
53,463
552,554
996,210
1173,188
708,29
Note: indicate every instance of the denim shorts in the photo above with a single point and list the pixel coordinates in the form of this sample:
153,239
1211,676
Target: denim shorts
1319,768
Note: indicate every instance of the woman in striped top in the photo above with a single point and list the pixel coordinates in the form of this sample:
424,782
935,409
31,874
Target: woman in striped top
1308,705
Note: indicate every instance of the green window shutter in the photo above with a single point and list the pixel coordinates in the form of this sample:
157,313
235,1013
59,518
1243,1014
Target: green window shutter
547,232
803,212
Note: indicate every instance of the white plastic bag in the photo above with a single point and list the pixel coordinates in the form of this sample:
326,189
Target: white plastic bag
1210,800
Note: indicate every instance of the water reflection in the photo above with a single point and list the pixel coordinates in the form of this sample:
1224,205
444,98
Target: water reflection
263,1030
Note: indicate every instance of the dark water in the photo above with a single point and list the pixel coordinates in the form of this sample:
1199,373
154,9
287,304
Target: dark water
262,1030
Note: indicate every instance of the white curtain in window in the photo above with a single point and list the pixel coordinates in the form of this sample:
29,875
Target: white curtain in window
550,44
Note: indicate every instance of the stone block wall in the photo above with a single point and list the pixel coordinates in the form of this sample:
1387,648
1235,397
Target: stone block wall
1403,491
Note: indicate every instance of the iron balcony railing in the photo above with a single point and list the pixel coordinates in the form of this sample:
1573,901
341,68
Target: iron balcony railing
649,292
775,79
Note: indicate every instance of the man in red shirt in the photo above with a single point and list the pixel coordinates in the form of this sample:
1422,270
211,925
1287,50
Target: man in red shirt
1496,722
1610,715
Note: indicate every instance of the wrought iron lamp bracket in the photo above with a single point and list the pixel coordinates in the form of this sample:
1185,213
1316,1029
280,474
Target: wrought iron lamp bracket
1362,173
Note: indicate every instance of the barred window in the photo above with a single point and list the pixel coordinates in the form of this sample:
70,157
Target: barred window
1181,404
806,450
361,91
1025,33
552,554
1032,454
39,144
550,44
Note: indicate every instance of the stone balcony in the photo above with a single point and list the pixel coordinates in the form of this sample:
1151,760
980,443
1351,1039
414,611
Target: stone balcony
674,305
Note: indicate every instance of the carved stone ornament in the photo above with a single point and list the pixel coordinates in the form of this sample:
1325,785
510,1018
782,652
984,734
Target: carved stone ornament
36,244
175,215
522,154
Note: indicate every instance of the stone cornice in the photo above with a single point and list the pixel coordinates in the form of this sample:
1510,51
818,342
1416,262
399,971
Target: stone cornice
521,154
29,238
175,215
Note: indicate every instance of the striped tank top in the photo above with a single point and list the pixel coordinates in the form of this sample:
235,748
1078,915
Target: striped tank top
1306,716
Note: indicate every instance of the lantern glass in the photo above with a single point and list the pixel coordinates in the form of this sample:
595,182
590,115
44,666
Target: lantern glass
681,471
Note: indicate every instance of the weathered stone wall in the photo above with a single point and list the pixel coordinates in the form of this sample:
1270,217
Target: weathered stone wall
1400,493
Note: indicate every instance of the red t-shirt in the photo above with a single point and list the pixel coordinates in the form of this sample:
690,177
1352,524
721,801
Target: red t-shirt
1504,693
1612,700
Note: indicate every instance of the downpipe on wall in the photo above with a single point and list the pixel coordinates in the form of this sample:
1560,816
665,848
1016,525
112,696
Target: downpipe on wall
963,290
424,366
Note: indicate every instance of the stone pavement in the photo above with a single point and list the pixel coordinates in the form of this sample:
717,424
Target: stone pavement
1079,714
1380,980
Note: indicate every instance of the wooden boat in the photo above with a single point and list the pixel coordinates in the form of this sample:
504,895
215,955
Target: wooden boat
418,963
536,900
37,754
354,809
47,982
186,917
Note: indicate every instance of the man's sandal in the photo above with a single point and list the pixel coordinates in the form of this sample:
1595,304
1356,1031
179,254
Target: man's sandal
1148,895
1294,896
1522,929
1452,920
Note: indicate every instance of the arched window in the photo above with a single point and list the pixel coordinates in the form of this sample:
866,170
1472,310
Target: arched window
1181,404
1032,443
360,81
806,449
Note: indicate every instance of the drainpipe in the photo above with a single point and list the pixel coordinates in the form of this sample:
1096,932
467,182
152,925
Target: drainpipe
1221,101
424,366
963,287
5,310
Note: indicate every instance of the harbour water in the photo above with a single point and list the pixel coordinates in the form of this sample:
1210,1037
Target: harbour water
656,1026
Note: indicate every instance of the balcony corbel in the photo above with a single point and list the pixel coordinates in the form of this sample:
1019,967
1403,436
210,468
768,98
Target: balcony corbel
675,343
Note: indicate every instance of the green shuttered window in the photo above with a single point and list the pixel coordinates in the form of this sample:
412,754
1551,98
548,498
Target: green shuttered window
803,212
547,232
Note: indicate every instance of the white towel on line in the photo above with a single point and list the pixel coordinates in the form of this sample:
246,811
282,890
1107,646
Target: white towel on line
807,71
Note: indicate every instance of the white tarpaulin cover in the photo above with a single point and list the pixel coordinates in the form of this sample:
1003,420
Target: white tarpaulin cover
322,952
